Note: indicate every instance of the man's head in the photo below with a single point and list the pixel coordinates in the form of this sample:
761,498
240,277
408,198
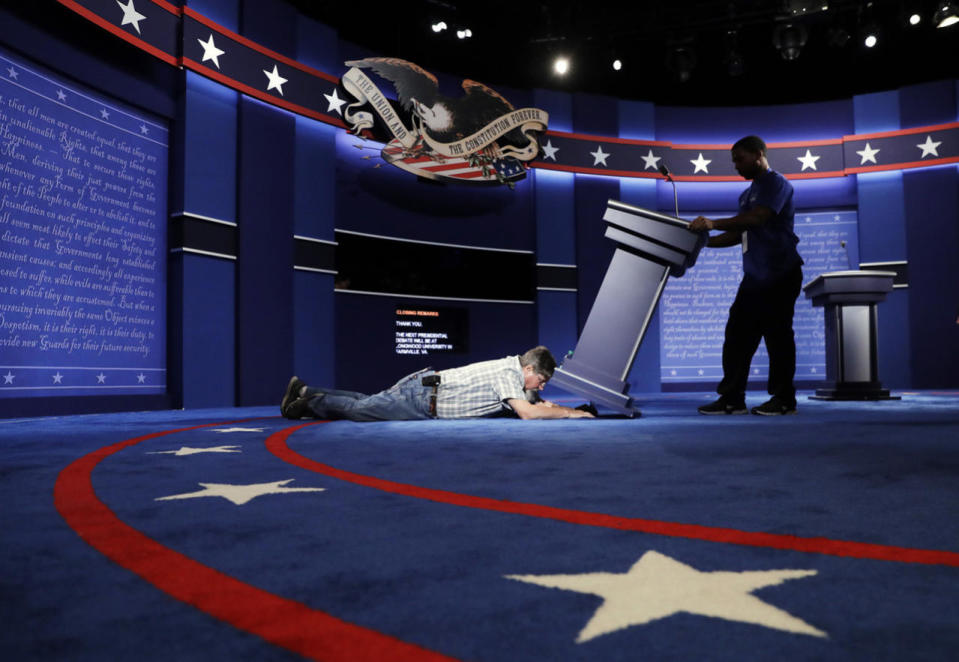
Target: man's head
749,157
538,366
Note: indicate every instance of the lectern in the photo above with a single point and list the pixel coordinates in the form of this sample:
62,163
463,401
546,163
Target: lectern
649,248
849,300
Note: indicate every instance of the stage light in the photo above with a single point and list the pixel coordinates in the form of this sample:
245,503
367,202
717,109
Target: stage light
681,61
872,38
789,40
464,34
617,64
439,27
946,15
561,66
915,19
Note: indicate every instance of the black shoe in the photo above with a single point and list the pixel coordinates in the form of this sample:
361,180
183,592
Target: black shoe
776,407
723,406
292,405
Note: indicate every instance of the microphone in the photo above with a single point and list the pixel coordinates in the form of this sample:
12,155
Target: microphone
842,242
664,171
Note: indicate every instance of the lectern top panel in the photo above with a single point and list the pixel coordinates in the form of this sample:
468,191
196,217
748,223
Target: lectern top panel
648,213
855,273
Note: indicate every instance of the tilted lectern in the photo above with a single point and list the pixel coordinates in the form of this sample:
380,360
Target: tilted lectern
849,300
649,248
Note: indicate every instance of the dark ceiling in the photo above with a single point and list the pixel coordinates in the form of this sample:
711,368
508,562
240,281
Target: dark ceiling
515,41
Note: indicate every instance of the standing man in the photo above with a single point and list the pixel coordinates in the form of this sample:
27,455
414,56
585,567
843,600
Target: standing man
772,278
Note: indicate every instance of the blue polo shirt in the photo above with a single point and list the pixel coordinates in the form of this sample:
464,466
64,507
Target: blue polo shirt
770,251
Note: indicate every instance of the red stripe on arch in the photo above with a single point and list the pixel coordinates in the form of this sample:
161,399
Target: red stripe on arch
276,444
282,622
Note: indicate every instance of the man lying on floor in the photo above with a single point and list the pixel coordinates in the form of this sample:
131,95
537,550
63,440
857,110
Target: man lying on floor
488,388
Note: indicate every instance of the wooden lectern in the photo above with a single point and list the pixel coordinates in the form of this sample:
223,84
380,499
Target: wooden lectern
650,247
849,300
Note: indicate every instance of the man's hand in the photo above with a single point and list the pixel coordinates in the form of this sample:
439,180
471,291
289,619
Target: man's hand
526,410
700,224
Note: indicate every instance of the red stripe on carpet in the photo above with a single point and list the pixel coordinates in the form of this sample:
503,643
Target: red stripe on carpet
286,623
276,444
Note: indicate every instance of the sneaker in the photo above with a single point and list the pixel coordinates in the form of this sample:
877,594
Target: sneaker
292,405
723,406
776,407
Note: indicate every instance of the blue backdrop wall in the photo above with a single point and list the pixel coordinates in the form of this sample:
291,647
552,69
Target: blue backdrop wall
254,188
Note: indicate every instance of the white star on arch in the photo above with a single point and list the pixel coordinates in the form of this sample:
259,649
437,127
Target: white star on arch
241,494
58,378
808,161
61,95
131,15
701,164
929,147
599,156
210,51
549,151
8,378
12,73
658,587
101,378
868,154
335,102
276,80
652,162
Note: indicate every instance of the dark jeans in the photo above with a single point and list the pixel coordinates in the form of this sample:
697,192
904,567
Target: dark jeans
762,311
406,400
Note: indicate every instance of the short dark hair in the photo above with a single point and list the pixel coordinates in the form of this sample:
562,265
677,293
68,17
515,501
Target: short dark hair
541,359
752,144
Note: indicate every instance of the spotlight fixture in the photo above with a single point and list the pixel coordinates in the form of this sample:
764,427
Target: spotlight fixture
617,64
439,27
561,65
870,36
464,34
915,19
789,39
837,37
946,15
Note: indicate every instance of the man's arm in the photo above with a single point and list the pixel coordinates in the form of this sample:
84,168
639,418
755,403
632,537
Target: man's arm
752,218
527,410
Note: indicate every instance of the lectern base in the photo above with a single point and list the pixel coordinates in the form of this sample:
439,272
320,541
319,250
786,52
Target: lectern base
618,402
854,392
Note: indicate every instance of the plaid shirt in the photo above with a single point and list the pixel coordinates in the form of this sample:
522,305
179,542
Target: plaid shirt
479,389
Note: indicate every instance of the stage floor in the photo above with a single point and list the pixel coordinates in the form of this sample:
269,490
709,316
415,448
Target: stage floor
234,533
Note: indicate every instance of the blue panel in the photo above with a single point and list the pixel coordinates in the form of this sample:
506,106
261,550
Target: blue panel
223,12
892,329
555,220
317,46
265,252
207,333
881,216
637,120
557,321
315,185
593,250
810,121
559,105
313,334
209,149
928,103
809,194
932,207
270,23
876,112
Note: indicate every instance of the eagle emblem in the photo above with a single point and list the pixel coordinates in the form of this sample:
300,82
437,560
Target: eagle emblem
478,137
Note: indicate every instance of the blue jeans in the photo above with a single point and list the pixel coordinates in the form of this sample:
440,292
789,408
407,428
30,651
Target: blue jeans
407,400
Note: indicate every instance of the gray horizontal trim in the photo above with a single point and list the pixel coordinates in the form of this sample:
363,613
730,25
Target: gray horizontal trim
435,243
208,219
207,253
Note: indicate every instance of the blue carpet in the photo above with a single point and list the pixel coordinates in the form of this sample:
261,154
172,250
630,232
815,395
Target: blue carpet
669,537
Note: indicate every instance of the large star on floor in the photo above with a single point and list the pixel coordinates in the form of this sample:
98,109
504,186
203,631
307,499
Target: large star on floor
241,494
658,586
189,450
